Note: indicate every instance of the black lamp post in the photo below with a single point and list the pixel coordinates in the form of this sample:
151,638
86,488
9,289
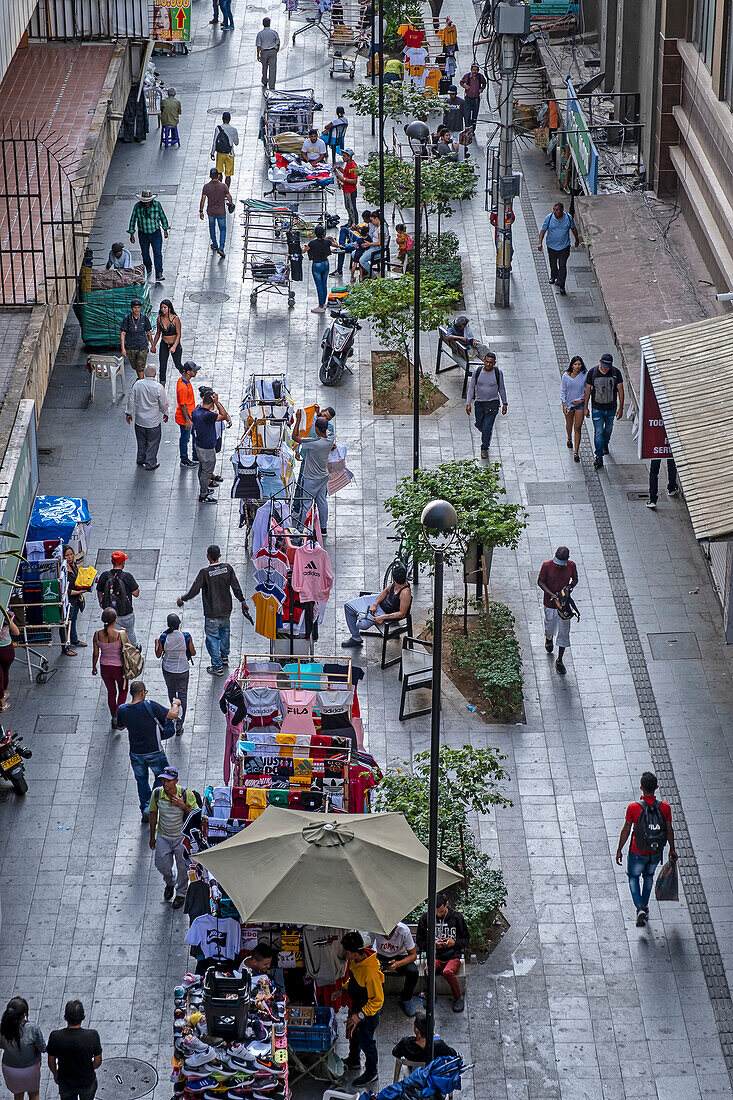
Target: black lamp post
419,133
380,91
439,522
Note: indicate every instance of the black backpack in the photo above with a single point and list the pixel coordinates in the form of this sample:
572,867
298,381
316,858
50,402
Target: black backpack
116,595
650,830
222,143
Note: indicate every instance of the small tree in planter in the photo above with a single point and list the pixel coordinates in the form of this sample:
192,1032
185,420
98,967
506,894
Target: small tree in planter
402,101
443,182
477,495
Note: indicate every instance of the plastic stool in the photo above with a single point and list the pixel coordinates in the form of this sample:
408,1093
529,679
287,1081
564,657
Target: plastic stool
169,136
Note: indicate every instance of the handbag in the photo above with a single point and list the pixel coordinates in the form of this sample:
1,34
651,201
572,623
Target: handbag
81,603
167,728
133,661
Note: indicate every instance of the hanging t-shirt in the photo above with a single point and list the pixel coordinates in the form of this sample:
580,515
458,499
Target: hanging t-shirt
432,80
298,705
312,573
416,58
262,705
448,35
411,36
217,937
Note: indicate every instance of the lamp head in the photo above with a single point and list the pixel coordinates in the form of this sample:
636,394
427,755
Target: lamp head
439,522
417,131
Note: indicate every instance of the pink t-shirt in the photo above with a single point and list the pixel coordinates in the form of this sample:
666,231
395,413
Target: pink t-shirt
312,574
298,706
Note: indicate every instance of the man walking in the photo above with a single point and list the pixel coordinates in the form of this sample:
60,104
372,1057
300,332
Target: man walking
314,474
225,138
170,805
486,389
170,109
216,582
74,1055
144,719
147,406
135,337
652,824
117,589
204,418
454,114
365,991
556,227
604,388
268,47
216,195
473,83
185,404
347,177
148,216
673,488
555,575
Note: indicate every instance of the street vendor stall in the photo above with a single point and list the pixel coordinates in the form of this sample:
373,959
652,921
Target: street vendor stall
103,300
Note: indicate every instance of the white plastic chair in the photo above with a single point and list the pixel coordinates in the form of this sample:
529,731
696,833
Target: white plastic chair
107,368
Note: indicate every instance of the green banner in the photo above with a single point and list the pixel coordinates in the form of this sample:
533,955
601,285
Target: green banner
172,21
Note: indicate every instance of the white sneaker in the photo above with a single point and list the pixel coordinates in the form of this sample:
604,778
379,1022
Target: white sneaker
651,504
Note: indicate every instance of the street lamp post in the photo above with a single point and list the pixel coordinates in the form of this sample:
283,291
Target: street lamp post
380,92
439,522
419,133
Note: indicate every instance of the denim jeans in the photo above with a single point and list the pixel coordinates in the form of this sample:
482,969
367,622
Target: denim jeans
362,1039
127,622
357,614
226,11
312,490
348,243
73,615
320,278
183,443
141,762
221,221
654,478
154,241
485,413
602,428
472,107
217,640
636,868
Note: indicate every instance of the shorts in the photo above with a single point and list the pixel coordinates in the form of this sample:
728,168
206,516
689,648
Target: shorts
554,624
225,163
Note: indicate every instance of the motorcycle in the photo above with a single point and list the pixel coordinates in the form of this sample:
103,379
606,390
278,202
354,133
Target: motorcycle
11,760
338,346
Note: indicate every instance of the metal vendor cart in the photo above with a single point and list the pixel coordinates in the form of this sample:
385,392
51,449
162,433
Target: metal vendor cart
267,254
287,114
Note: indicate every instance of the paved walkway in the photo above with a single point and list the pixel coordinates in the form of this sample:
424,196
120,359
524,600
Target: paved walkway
575,1002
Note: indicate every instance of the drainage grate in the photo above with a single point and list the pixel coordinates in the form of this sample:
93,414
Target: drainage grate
556,492
56,723
49,456
637,494
675,647
209,297
591,319
143,564
67,397
125,1078
702,925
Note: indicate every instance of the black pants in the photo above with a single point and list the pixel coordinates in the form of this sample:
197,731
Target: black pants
654,478
410,973
559,264
473,106
148,442
164,352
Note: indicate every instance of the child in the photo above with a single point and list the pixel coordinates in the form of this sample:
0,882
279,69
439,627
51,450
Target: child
363,246
404,242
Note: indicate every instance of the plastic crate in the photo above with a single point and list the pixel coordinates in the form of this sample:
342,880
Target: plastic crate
319,1036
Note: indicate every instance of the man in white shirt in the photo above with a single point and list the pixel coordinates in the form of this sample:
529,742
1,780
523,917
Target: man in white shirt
268,46
119,257
397,953
225,138
313,149
147,406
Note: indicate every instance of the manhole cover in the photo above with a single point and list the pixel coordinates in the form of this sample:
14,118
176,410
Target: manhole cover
556,492
56,723
208,297
49,456
142,564
674,647
67,397
123,1078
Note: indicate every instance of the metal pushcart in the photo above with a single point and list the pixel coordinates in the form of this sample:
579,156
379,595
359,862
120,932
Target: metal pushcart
287,113
348,36
266,257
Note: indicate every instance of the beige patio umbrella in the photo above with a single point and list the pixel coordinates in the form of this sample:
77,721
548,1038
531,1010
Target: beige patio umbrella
339,870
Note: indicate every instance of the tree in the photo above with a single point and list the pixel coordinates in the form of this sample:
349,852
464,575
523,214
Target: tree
401,101
443,182
390,304
477,495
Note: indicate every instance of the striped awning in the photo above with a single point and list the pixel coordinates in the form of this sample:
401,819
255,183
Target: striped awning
691,369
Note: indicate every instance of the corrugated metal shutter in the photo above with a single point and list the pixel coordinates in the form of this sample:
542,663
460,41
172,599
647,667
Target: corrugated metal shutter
14,18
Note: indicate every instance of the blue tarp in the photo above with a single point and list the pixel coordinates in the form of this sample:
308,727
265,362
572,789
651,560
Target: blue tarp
56,517
436,1080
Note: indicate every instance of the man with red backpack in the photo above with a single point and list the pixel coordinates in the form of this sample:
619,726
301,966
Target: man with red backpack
651,822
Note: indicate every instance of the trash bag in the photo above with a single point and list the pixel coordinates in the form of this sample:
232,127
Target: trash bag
667,888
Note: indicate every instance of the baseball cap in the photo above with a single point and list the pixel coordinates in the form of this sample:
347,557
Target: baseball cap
562,554
169,773
607,359
135,302
453,88
119,557
190,365
321,424
349,151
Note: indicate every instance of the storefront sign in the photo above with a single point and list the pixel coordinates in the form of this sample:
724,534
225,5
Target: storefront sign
18,485
584,152
172,20
653,442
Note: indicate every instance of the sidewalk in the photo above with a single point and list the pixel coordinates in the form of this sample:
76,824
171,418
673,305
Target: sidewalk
575,1002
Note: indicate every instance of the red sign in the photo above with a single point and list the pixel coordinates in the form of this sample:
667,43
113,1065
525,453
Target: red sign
653,442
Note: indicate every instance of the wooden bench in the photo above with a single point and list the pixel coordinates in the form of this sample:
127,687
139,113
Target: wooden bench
457,357
393,982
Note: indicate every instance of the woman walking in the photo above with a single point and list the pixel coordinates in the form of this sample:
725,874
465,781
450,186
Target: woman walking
176,647
76,604
22,1044
319,249
107,653
168,332
572,396
8,631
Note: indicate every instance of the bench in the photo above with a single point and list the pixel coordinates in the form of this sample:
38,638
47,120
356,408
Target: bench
457,358
388,631
393,982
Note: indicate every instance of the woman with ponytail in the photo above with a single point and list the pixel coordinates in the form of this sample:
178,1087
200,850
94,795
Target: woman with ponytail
22,1044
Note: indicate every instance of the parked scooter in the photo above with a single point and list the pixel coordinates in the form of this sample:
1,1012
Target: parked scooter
338,346
11,760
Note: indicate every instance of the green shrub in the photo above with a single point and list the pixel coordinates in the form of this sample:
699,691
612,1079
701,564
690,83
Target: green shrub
448,273
385,376
491,653
441,249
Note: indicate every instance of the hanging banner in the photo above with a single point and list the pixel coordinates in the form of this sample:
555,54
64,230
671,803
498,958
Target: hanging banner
653,442
172,21
584,152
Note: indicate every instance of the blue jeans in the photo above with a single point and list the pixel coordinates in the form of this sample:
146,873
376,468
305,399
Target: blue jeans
362,1039
141,762
183,444
154,241
603,427
73,615
358,617
226,11
485,413
636,868
347,240
217,640
221,221
316,490
320,278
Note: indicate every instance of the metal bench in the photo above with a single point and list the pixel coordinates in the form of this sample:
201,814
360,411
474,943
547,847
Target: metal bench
457,358
388,631
416,671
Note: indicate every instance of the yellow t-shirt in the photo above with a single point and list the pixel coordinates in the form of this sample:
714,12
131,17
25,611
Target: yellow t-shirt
266,620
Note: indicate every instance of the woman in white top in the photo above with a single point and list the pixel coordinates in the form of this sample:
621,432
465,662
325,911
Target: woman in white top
572,396
175,647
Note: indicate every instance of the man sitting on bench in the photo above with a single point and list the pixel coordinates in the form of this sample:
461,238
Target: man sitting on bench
397,953
391,605
413,1049
459,336
451,939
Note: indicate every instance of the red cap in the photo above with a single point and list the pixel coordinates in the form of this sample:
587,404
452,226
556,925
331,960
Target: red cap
119,557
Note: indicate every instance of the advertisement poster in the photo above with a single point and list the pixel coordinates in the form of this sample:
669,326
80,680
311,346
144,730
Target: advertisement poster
172,20
653,442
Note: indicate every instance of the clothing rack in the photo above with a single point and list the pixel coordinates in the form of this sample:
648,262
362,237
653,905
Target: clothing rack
301,677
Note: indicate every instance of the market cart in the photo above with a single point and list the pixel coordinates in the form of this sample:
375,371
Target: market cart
103,299
287,118
268,229
348,36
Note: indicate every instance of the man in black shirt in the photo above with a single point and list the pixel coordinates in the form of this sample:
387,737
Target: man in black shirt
451,940
214,582
74,1053
413,1049
144,720
135,337
117,589
604,387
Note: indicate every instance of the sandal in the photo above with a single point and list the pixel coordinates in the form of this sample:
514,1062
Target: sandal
5,705
69,653
81,645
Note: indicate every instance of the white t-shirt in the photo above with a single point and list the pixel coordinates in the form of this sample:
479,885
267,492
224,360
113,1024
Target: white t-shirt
416,55
313,149
399,943
218,937
231,132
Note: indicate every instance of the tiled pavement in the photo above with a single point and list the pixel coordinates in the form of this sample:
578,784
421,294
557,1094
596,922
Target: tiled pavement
575,1002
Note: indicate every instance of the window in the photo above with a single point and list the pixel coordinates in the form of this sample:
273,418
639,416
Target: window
703,29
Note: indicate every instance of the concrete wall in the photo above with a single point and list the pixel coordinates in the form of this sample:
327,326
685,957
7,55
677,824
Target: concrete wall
14,18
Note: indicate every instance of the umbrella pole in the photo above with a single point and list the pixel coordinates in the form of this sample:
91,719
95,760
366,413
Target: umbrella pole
433,832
